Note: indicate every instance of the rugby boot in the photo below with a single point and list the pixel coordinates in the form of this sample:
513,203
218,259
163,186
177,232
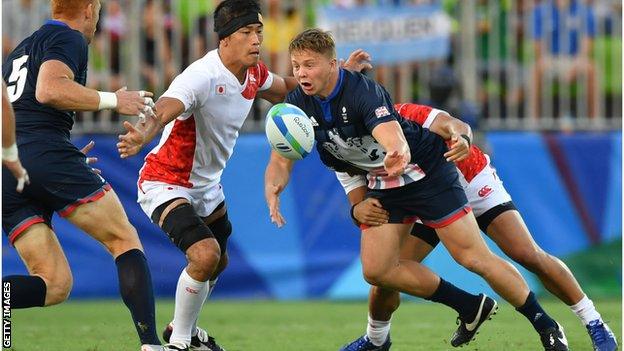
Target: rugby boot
554,339
467,329
200,342
601,336
364,344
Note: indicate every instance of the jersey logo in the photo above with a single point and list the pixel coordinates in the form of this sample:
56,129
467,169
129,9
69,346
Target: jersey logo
220,89
344,114
314,122
382,111
485,191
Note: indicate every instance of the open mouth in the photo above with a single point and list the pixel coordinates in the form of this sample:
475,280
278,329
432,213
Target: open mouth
306,85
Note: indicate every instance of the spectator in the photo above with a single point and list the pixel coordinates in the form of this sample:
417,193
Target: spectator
563,33
25,17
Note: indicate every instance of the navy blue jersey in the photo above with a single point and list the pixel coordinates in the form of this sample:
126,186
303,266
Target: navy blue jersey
343,125
53,41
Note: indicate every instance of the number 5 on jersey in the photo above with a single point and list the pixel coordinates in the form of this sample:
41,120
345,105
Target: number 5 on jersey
17,79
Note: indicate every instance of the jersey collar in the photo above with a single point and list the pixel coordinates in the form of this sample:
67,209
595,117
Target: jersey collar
56,23
336,88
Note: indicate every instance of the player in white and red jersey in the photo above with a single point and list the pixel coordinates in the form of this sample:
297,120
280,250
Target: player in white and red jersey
497,217
179,186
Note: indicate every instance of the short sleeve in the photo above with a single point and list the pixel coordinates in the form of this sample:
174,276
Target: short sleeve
190,87
374,104
349,183
69,47
265,77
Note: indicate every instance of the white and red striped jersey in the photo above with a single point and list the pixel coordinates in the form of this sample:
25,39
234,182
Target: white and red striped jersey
425,115
194,148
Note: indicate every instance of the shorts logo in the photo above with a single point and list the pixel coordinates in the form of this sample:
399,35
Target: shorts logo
220,89
382,111
485,191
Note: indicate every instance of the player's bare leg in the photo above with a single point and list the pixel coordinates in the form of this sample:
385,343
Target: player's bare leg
383,266
383,302
465,244
50,279
106,221
510,233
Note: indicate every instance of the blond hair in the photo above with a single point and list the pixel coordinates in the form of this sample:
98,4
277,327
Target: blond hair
315,40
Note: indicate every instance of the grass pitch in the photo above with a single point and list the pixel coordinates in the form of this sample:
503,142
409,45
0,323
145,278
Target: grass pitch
286,326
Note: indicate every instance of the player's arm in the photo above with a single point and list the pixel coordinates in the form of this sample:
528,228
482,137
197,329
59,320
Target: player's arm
167,109
363,211
279,89
457,132
390,136
276,177
56,88
10,157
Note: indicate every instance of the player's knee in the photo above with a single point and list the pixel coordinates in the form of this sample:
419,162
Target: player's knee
530,258
58,288
185,228
204,257
122,238
472,261
375,274
223,263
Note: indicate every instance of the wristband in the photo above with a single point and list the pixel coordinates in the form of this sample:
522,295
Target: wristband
107,100
467,139
355,221
10,153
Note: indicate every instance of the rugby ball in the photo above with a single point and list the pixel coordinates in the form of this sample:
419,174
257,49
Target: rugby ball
289,131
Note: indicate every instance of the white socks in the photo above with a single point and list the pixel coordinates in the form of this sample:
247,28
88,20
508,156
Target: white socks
586,311
189,298
211,285
377,331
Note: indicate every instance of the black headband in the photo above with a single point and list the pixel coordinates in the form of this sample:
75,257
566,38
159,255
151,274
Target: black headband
238,22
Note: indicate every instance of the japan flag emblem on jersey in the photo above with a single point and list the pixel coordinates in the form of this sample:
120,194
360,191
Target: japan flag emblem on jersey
220,89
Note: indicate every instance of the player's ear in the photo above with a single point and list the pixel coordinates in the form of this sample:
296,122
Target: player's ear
89,11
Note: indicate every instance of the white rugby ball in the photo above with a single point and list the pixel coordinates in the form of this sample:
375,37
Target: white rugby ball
289,131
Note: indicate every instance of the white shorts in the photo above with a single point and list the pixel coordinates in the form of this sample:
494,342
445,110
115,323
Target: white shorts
204,200
485,191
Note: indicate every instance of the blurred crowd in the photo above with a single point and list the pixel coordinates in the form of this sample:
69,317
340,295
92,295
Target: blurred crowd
534,59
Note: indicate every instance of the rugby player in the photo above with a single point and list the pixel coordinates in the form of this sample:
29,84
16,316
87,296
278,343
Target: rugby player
496,215
45,77
358,130
200,116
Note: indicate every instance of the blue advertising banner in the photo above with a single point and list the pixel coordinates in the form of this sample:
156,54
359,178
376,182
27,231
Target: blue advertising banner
391,34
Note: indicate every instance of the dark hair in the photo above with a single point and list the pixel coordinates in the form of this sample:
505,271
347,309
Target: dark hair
315,40
228,10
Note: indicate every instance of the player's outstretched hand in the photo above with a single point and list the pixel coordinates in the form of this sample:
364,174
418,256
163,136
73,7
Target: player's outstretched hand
272,197
130,143
358,61
395,163
19,172
459,150
90,160
134,103
370,212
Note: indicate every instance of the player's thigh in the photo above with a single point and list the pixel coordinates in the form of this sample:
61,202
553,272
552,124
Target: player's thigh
41,252
511,234
463,240
415,249
105,220
381,245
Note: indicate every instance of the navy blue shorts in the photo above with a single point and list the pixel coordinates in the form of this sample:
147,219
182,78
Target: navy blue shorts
60,181
430,236
437,200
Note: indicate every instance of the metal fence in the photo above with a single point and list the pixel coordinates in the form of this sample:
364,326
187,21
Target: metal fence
502,72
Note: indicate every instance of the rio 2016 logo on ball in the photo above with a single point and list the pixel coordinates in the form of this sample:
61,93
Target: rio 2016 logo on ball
289,131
